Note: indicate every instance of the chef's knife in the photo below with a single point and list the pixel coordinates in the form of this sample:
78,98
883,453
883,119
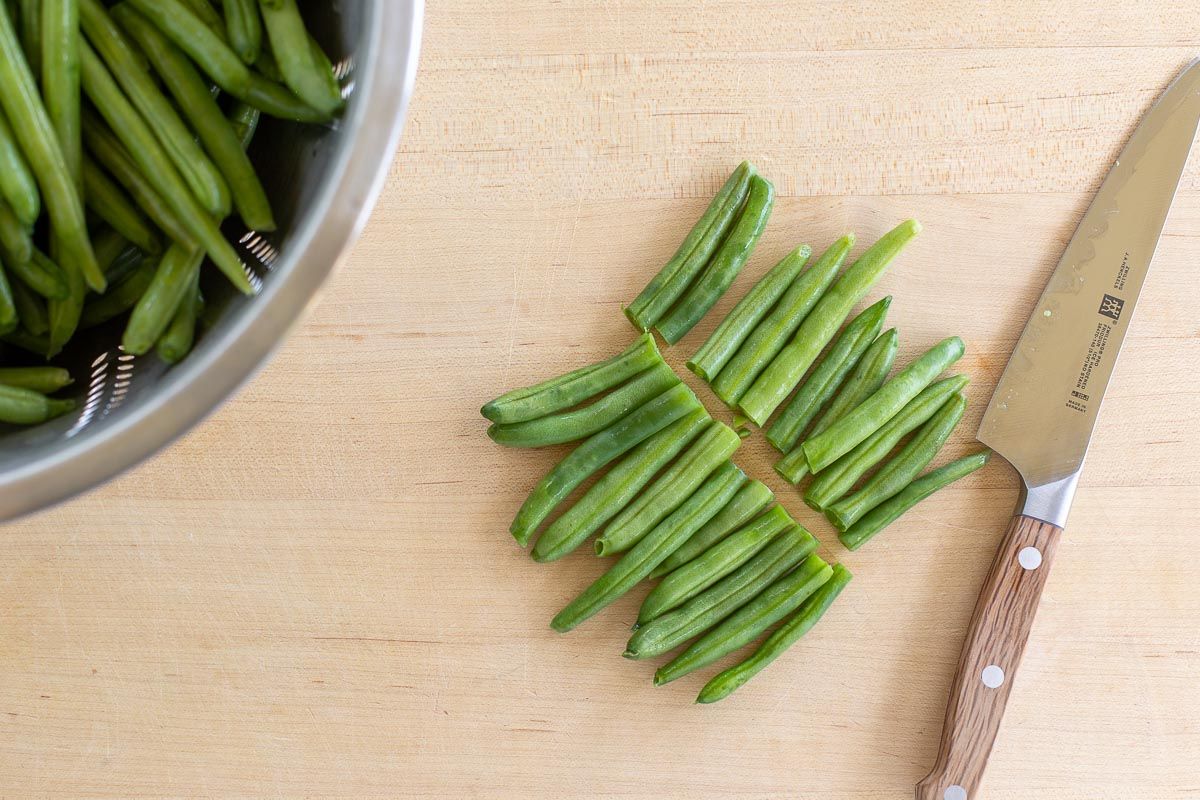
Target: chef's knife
1042,414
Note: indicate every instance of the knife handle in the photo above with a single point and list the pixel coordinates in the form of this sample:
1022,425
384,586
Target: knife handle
990,656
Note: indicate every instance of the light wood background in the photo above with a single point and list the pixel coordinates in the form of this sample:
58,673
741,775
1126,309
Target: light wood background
315,594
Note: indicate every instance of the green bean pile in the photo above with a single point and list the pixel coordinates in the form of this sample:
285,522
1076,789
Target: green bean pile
123,135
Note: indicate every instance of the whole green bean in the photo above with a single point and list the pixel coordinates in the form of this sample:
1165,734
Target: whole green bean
31,33
890,510
842,437
35,134
718,601
15,242
30,308
747,623
109,203
171,286
243,26
712,448
869,374
650,551
750,500
598,450
713,564
278,101
60,78
42,275
10,302
119,298
694,254
786,635
198,105
827,377
568,426
789,366
179,337
44,380
306,74
725,265
17,185
771,334
574,387
619,485
24,407
903,468
750,310
838,478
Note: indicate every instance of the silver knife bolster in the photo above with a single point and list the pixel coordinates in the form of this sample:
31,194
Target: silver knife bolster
1051,502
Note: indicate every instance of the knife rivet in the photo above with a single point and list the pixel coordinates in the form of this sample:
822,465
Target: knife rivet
992,676
954,792
1029,558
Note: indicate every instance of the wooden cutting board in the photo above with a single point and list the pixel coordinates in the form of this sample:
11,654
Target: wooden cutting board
315,594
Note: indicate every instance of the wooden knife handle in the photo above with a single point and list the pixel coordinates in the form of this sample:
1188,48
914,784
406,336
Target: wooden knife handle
990,656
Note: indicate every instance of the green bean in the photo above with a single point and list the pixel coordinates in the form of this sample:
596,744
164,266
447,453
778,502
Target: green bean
30,309
713,447
829,374
771,334
619,485
60,78
842,437
24,407
243,26
869,374
38,345
903,468
740,322
110,246
17,184
15,242
278,101
216,133
725,265
713,564
63,314
890,510
598,450
42,275
547,397
44,380
110,203
838,478
718,601
568,426
35,134
10,301
746,624
179,337
751,499
120,298
786,635
789,366
206,14
635,565
244,119
145,151
172,283
694,254
305,73
31,33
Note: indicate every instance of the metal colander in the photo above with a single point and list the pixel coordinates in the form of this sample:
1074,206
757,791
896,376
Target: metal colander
322,182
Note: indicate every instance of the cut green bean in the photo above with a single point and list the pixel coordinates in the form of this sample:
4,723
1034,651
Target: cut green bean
45,380
556,394
10,303
617,488
793,361
596,451
786,635
107,201
29,306
60,78
713,564
172,283
750,500
694,254
712,448
305,73
179,337
890,510
827,377
24,407
569,426
838,478
725,265
902,469
15,242
771,334
750,310
18,187
870,415
42,275
650,551
119,298
243,26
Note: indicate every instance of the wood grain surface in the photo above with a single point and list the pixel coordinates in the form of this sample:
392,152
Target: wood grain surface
314,593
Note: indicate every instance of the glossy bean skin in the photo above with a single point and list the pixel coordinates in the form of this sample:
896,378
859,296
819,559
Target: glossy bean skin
107,201
751,500
172,283
18,187
823,382
617,488
793,361
26,407
783,637
870,415
693,255
650,551
713,564
750,310
718,601
747,623
725,265
305,69
710,450
835,480
569,426
596,451
903,468
890,510
44,380
772,333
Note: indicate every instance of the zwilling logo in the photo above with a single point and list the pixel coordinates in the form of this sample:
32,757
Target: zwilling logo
1111,307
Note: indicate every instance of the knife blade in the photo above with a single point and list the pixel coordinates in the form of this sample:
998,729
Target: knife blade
1044,409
